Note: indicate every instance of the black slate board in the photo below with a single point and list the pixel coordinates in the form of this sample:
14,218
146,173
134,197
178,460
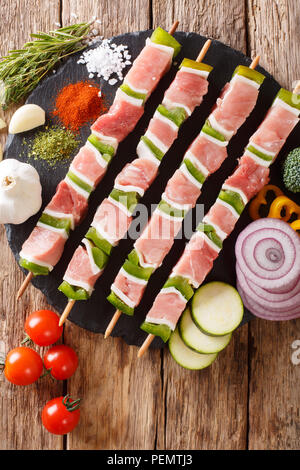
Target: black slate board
95,314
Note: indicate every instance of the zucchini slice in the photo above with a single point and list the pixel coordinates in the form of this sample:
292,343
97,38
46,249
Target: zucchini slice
217,308
187,358
193,337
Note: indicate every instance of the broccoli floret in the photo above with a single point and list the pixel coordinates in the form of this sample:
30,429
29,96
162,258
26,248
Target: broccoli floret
291,171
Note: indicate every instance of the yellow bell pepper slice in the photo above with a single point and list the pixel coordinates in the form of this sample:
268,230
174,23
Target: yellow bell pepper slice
260,200
283,208
296,224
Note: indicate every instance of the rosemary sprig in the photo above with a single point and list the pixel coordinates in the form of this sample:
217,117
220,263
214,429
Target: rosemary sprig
22,69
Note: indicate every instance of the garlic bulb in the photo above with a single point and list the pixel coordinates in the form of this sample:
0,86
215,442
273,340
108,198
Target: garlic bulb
20,191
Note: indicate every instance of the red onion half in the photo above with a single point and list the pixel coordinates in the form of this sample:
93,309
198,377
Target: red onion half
264,313
268,269
268,254
276,302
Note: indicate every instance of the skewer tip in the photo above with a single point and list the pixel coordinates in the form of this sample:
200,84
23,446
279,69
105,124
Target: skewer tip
112,323
204,50
24,285
173,27
145,345
255,62
66,312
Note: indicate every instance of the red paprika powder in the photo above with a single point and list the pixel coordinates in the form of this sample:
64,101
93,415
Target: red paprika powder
78,103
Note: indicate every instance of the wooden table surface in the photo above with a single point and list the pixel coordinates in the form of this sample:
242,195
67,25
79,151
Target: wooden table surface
249,398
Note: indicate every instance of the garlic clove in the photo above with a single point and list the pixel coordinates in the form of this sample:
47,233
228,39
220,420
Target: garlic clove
27,117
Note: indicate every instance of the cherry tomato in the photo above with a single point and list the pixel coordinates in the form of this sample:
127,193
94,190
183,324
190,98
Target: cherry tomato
23,366
61,415
62,360
42,327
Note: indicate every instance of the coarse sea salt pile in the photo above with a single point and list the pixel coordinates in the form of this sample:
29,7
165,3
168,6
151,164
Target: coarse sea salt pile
105,60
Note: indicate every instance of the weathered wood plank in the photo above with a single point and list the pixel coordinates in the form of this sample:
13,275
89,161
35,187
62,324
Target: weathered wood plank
273,28
116,17
121,394
208,409
273,386
20,407
209,18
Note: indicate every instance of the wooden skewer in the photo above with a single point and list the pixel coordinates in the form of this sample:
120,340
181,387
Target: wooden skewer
71,303
203,51
254,62
117,314
145,345
112,323
24,285
151,337
66,312
173,27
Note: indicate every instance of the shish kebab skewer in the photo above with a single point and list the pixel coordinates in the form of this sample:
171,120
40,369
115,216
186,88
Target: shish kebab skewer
69,204
258,172
191,74
208,152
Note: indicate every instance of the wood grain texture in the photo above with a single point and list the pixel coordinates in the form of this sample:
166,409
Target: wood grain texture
274,386
153,403
207,409
116,16
20,407
273,28
213,18
195,401
121,394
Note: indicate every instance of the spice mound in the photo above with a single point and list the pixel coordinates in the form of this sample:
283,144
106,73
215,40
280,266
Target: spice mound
77,104
53,145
